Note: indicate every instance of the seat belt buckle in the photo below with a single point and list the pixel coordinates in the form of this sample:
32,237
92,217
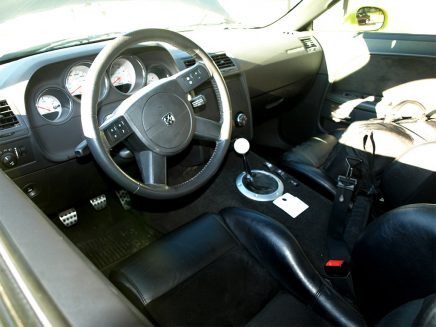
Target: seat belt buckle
337,268
346,183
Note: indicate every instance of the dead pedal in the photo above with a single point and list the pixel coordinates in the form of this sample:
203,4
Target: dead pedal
99,202
69,217
125,200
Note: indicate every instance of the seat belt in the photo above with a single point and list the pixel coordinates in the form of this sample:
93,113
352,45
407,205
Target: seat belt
341,206
339,244
372,190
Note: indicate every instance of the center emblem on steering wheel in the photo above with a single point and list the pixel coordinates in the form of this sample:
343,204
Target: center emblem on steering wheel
169,119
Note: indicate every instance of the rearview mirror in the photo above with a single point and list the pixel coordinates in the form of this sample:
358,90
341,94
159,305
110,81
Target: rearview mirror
370,18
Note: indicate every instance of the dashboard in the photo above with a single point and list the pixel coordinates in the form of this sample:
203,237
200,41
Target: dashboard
40,98
54,94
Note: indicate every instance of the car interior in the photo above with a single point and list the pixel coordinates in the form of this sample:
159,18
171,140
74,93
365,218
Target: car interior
274,176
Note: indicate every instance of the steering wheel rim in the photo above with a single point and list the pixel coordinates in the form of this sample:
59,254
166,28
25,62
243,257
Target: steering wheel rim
97,136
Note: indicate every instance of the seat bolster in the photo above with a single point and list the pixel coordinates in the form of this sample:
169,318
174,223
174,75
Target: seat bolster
312,152
171,260
306,161
427,315
315,175
420,312
394,260
278,251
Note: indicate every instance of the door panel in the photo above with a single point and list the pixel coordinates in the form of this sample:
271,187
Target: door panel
369,74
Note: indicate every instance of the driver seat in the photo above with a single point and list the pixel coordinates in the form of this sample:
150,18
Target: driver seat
241,267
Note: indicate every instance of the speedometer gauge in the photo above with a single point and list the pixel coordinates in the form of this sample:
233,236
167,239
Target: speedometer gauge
127,74
76,78
122,74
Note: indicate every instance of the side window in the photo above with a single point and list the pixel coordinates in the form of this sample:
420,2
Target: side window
412,17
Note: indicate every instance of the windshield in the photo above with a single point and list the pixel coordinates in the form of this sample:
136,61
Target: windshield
29,26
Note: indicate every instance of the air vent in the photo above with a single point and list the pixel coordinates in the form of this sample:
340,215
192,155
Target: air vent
7,117
309,44
221,60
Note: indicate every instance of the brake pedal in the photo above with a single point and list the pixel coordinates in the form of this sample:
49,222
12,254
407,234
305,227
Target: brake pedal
68,217
125,199
99,202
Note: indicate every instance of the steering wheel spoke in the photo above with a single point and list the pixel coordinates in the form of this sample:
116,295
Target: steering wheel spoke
153,167
192,77
116,130
206,129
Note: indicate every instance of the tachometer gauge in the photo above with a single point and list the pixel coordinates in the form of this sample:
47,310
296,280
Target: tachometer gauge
152,77
53,105
76,78
127,74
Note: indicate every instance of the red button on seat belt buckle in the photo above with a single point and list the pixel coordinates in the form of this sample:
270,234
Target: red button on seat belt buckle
336,268
334,263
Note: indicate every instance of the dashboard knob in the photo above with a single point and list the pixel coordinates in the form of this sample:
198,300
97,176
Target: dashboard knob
9,159
241,119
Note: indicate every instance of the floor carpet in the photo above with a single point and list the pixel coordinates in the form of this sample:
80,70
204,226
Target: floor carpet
110,235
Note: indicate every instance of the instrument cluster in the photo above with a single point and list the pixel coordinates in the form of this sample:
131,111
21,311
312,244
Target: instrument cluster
125,75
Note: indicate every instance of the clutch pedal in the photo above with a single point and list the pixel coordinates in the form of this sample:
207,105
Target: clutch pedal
68,217
125,199
99,202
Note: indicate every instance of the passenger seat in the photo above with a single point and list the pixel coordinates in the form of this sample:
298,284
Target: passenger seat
321,159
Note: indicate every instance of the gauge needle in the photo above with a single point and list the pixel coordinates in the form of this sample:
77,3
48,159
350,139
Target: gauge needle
116,80
44,108
76,90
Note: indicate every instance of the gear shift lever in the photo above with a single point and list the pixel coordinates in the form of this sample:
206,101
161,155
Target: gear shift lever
242,146
258,185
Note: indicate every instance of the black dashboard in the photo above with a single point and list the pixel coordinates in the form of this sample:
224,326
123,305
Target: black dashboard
53,99
40,95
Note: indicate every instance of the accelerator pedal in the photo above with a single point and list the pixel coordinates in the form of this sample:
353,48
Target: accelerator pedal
99,202
125,200
68,217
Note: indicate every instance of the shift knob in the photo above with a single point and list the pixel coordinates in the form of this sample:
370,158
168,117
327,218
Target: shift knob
241,146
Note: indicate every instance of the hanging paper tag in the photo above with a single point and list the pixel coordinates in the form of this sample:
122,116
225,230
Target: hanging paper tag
292,205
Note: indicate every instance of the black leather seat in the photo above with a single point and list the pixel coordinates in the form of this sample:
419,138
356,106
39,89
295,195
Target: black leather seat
321,159
411,178
394,262
241,267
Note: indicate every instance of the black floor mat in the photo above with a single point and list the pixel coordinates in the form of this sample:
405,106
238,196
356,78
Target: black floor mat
108,236
310,228
115,245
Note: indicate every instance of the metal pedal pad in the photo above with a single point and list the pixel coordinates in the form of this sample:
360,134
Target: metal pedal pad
68,217
99,202
124,198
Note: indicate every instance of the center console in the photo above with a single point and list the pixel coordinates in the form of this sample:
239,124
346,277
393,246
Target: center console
258,185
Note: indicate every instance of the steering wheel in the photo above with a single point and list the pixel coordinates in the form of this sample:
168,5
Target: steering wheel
158,119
